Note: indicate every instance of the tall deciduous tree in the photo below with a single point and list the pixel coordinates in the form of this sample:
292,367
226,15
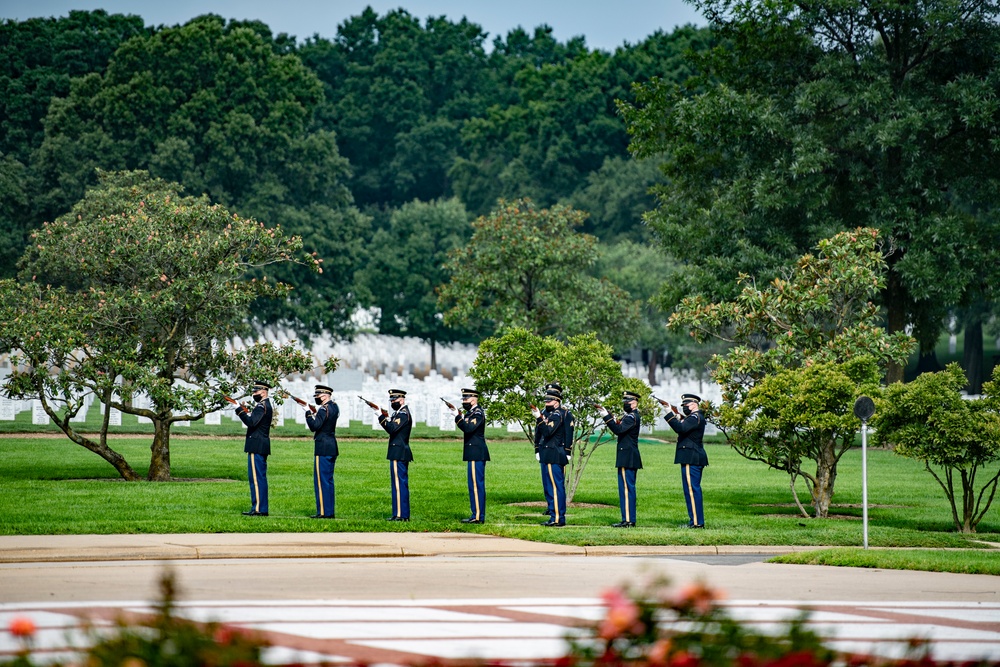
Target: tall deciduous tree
803,346
811,118
136,290
410,256
957,440
218,108
512,368
528,267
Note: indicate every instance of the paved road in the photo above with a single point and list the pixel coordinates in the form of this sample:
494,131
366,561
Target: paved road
343,597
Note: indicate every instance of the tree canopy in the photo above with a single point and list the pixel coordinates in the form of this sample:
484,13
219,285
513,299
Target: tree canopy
804,346
957,440
527,267
214,106
136,291
809,118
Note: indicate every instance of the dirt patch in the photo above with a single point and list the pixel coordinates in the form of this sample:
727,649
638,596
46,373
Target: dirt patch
541,503
856,506
172,479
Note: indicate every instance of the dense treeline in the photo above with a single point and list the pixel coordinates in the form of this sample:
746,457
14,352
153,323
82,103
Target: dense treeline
329,137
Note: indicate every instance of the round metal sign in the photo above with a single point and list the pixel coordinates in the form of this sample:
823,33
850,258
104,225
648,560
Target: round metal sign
864,408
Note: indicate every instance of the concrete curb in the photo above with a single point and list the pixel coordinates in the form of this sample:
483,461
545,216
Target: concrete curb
95,548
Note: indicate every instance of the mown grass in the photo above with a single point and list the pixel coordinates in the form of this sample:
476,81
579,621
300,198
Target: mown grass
963,561
54,487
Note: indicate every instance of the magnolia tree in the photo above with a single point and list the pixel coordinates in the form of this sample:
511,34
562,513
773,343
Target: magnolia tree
957,440
512,369
135,292
804,347
528,267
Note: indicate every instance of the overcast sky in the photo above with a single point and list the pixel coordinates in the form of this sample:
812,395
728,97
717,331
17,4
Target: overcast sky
606,24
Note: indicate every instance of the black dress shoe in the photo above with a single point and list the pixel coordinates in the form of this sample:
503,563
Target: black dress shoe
554,524
472,520
402,518
624,524
393,518
698,526
255,513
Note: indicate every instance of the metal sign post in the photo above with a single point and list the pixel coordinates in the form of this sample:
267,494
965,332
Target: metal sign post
864,408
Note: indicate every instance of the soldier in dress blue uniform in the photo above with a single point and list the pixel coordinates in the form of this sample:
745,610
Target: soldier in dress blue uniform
550,450
323,424
474,452
691,455
399,455
258,446
628,461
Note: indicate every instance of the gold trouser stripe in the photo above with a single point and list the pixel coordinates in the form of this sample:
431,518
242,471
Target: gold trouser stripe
690,486
555,492
253,480
398,510
625,487
319,489
475,487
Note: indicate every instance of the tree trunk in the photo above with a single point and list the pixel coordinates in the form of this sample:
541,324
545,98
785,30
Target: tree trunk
972,356
434,362
159,460
895,307
654,357
826,475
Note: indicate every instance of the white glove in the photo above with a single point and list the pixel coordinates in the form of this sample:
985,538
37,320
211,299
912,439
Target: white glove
604,412
536,412
453,411
538,457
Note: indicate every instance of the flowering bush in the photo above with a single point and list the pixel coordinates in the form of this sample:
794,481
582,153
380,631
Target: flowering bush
687,628
163,641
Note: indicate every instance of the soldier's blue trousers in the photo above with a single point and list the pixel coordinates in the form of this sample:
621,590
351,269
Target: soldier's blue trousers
476,474
323,485
691,482
626,493
257,474
554,486
400,480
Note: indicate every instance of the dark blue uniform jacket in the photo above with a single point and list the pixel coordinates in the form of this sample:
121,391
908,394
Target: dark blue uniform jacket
690,432
258,428
398,427
473,427
627,430
323,424
550,438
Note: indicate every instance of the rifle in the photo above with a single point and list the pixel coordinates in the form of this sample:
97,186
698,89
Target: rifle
450,406
312,408
667,405
235,402
373,406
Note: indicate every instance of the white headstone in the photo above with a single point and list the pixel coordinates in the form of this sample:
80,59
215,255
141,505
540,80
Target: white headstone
513,427
213,418
185,422
38,414
115,417
8,409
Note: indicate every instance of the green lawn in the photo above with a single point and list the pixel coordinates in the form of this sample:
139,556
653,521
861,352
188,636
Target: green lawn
54,487
966,561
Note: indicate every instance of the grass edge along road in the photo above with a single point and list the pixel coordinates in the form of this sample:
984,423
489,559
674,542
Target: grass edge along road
746,503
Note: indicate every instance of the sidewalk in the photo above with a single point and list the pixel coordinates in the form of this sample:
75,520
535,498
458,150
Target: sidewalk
73,548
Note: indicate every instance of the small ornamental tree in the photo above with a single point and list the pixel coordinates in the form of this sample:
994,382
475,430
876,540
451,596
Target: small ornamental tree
512,369
527,267
136,291
957,440
804,347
